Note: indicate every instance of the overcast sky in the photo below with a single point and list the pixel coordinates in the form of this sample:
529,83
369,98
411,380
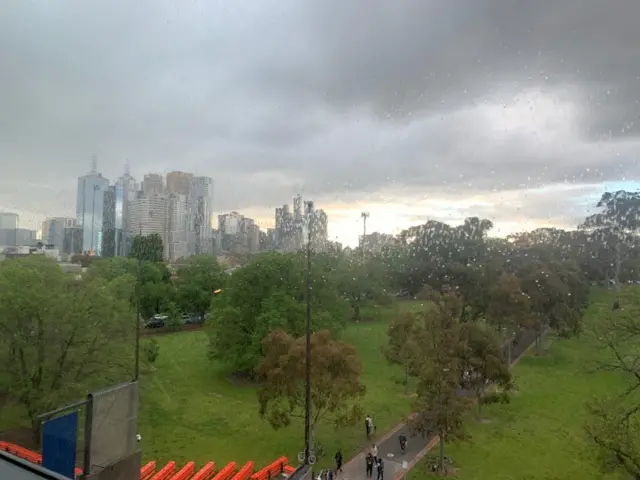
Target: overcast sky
521,112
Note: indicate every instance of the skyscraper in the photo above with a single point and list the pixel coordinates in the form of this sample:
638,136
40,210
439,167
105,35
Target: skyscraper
53,230
200,211
179,182
153,184
89,209
148,215
129,194
113,222
177,227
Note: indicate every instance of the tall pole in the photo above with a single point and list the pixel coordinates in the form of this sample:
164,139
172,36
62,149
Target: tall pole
137,342
307,402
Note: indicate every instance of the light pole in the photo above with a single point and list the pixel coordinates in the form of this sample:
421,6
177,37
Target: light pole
307,401
138,288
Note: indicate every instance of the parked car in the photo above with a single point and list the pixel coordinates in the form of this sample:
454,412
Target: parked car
192,319
157,321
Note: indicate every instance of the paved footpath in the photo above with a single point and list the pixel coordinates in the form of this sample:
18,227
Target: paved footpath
397,465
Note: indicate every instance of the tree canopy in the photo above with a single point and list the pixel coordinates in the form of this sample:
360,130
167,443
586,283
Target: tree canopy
335,380
60,335
266,294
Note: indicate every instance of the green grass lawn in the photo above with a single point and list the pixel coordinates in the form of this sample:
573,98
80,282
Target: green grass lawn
540,434
191,411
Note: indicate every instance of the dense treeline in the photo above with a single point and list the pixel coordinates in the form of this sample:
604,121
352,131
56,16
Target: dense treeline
480,292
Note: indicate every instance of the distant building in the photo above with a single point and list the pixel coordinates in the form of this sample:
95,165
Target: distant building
9,221
200,213
177,227
90,207
113,240
179,182
72,242
148,215
15,237
53,230
153,184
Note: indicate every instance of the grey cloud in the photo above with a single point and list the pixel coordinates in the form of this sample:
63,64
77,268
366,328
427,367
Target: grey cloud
342,100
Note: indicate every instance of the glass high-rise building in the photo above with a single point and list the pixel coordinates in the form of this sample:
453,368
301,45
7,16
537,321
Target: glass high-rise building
200,212
113,222
90,209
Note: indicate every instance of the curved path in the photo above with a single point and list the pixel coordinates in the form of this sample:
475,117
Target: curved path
397,465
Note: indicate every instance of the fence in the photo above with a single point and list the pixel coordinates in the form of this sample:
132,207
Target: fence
106,431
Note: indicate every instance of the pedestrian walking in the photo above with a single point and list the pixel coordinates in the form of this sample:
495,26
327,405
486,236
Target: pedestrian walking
329,474
374,452
338,458
369,427
369,464
403,443
380,470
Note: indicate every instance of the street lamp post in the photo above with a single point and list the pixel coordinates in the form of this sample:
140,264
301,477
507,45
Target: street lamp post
307,402
138,288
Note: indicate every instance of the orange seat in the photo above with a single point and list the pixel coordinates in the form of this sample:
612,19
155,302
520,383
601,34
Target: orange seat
165,472
206,472
274,468
245,472
227,472
148,470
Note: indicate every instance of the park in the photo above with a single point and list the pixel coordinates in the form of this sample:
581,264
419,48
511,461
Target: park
437,359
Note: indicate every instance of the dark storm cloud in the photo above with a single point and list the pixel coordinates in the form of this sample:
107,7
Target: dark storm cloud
337,99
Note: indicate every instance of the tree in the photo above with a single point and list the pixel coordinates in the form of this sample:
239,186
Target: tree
438,407
483,364
60,336
402,348
157,294
147,247
360,281
268,293
196,283
614,421
335,380
617,225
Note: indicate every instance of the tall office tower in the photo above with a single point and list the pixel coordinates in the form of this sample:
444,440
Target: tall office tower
129,194
177,227
148,215
153,184
89,208
200,211
179,182
8,221
53,231
318,223
297,208
113,222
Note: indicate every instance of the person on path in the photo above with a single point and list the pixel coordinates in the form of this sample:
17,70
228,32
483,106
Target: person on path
369,427
403,443
369,463
329,474
338,458
380,470
374,452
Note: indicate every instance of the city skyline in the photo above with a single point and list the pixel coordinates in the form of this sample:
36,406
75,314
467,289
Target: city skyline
402,116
